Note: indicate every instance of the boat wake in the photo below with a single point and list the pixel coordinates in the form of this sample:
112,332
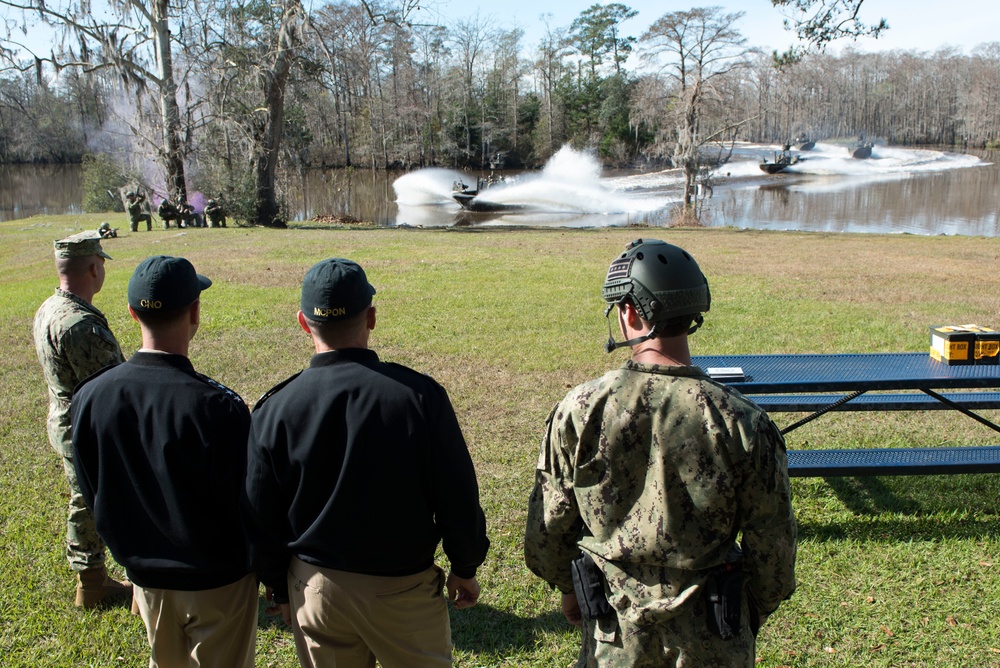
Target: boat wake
831,160
570,183
571,191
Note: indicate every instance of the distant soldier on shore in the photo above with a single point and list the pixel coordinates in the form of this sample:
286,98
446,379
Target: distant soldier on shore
215,214
189,217
136,212
167,212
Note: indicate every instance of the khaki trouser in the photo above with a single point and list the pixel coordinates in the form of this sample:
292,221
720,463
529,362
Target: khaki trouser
348,620
210,627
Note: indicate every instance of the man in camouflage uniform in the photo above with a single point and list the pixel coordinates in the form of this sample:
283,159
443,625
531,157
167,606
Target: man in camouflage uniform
136,213
189,217
73,340
168,212
652,472
215,214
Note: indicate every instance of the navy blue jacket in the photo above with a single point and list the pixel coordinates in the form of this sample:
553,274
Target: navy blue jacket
360,465
160,452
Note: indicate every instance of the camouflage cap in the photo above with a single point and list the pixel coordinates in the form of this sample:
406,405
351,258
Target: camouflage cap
81,244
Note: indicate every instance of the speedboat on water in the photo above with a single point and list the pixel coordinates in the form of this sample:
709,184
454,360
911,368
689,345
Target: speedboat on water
805,144
780,162
469,198
862,152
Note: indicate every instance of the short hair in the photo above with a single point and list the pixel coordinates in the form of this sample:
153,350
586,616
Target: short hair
336,331
74,266
670,327
158,319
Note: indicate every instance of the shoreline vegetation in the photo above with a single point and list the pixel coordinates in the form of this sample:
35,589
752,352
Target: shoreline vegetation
891,571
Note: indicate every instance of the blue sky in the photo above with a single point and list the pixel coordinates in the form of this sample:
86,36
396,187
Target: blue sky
920,25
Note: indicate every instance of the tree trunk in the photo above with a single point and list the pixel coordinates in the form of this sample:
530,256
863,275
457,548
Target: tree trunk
172,151
268,212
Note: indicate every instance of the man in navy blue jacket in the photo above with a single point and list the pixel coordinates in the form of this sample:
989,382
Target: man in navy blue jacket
160,452
357,469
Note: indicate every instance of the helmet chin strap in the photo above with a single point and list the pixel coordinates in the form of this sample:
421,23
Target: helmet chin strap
613,345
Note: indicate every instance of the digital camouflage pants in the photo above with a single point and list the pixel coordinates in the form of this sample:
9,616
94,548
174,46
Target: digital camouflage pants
84,548
684,640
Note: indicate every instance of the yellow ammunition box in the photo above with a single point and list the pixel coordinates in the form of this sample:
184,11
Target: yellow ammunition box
987,348
953,344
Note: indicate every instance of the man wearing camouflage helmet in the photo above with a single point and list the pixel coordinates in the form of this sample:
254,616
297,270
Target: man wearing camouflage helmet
136,213
646,478
215,214
73,340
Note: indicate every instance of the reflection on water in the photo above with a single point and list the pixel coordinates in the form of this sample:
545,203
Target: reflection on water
28,190
897,191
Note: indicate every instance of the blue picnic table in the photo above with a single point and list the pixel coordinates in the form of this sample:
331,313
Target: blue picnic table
820,383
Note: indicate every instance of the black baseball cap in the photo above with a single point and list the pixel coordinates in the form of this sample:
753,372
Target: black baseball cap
162,283
335,289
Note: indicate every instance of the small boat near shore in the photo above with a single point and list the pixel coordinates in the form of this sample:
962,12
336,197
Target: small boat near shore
470,200
862,152
780,162
805,144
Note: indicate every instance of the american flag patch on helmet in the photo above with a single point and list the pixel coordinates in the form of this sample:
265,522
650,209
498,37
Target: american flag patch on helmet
619,269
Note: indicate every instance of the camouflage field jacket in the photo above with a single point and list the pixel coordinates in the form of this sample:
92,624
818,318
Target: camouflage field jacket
660,473
73,340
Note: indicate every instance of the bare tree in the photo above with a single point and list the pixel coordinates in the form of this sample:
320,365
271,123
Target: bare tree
247,54
136,44
550,68
694,51
471,41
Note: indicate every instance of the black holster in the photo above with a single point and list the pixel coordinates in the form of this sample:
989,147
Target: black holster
724,600
588,583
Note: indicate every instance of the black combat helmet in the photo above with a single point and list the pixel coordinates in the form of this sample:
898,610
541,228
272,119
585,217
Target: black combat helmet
661,280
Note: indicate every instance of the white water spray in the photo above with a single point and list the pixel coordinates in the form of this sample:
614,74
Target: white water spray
571,182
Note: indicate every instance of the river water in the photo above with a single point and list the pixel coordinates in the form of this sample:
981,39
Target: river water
898,190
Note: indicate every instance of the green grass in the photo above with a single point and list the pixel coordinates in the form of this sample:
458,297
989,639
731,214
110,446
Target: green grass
892,571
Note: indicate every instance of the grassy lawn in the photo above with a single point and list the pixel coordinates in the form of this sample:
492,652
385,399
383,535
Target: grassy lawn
892,571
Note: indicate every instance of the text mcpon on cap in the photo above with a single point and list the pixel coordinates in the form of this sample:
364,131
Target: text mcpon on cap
335,288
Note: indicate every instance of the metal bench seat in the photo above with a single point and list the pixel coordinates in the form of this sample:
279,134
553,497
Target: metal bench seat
898,401
893,461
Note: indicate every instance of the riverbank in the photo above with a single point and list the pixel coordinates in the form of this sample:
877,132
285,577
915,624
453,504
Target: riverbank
892,571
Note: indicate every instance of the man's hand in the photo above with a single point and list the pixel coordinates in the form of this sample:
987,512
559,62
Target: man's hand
274,609
571,609
462,592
